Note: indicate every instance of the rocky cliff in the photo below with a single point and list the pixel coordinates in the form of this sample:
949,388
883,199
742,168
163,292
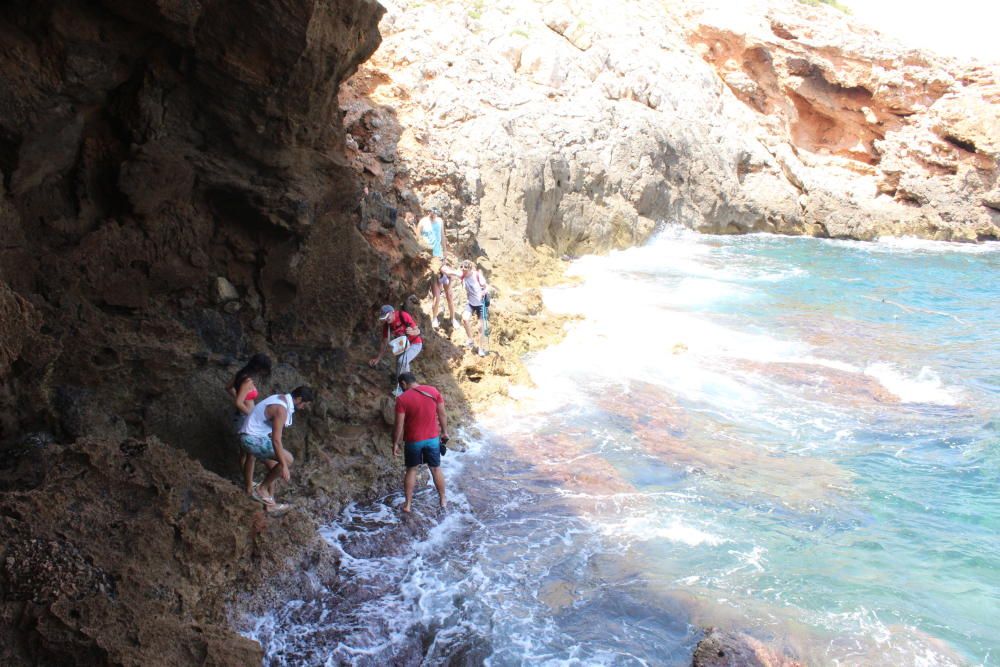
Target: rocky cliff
580,125
174,197
180,186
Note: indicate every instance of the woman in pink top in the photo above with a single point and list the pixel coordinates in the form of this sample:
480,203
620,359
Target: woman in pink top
244,392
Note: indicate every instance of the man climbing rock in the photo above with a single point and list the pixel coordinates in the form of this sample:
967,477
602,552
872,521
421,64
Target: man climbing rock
422,425
261,437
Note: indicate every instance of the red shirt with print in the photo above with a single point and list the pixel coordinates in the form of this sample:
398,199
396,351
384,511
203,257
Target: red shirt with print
421,413
398,323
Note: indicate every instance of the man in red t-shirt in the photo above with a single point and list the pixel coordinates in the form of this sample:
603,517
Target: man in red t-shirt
422,425
397,323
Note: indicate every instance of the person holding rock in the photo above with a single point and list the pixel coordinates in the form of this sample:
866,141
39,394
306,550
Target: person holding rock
261,438
430,231
422,426
477,293
243,390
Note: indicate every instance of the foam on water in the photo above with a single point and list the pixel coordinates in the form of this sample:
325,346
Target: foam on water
645,528
926,387
736,433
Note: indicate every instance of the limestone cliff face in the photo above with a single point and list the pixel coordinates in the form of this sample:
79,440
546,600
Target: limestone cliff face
581,124
173,196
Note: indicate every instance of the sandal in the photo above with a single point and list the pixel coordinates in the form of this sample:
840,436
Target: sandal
265,500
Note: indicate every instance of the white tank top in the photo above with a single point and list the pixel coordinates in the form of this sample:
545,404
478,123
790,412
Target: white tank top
473,289
257,424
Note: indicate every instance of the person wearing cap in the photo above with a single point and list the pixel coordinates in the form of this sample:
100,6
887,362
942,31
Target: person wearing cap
430,231
397,323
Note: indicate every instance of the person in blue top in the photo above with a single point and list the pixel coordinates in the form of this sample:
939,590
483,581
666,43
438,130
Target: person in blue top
430,231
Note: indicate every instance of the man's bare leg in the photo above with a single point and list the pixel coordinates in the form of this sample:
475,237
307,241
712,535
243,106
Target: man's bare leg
409,483
268,484
438,478
467,323
270,466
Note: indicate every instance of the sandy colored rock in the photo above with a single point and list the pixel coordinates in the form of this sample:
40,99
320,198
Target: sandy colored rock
581,128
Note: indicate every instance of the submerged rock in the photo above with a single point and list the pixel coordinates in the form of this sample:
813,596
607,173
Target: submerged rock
731,649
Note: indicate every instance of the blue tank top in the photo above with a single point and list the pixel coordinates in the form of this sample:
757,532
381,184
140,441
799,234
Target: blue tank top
432,234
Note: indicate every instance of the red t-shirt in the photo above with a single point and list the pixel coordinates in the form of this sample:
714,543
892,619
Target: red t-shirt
421,413
398,323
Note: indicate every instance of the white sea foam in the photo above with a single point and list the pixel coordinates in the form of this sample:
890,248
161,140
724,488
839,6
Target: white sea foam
926,387
649,527
911,244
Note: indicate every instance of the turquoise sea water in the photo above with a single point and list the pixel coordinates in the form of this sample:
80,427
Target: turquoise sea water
792,438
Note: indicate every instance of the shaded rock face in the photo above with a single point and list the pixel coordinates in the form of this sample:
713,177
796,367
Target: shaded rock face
173,197
128,553
153,154
569,124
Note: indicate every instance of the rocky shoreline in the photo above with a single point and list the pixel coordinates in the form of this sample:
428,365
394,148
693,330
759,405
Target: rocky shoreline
179,190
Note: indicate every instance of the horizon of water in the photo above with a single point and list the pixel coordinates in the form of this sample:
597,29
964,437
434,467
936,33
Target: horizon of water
792,438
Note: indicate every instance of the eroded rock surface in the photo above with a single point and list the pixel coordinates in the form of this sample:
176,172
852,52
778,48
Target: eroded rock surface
129,553
581,124
734,649
174,197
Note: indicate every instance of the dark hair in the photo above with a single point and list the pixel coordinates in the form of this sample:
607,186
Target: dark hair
305,393
407,378
259,364
411,305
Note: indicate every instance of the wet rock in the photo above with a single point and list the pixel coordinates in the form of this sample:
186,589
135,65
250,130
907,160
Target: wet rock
729,649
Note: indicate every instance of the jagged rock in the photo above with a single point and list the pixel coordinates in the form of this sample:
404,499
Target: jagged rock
768,116
224,291
19,324
129,553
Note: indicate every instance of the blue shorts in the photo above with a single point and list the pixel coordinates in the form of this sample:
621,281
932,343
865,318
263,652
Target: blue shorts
258,445
423,451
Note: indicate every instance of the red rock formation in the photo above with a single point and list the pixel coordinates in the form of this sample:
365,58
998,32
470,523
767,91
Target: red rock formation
909,135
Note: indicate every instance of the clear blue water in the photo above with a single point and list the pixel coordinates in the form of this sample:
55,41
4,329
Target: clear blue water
791,438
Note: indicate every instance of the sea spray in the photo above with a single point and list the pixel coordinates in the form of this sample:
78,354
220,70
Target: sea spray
791,437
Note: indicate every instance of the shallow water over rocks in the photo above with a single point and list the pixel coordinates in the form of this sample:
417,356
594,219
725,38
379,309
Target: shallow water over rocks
791,438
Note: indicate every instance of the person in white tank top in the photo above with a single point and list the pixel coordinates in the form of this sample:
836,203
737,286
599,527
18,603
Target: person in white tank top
477,293
261,437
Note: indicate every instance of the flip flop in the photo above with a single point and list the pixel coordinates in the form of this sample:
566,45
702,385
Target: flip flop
277,508
266,501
